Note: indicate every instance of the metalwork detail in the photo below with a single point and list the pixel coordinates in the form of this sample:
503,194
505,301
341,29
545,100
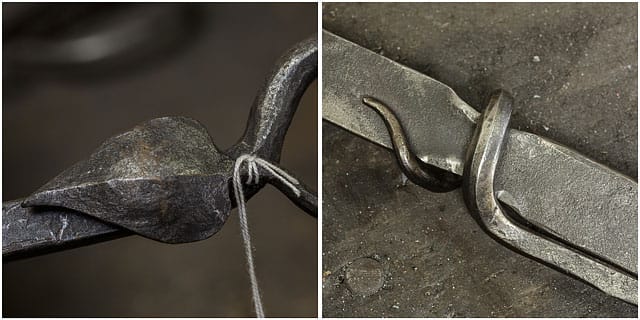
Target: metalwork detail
423,174
553,188
506,225
479,193
164,179
32,231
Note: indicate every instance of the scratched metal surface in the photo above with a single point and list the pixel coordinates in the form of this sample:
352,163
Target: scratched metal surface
565,64
53,123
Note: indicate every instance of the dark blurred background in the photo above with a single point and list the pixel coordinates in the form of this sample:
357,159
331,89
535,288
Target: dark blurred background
62,98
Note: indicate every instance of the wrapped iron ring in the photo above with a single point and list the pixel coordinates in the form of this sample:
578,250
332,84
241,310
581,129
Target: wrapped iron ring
504,223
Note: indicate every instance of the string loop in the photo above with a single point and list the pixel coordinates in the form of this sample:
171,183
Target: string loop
253,177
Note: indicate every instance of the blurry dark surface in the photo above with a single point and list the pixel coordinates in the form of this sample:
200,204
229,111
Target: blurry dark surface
572,69
98,40
55,121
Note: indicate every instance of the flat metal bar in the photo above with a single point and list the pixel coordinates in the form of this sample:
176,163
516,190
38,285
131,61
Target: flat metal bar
33,231
552,187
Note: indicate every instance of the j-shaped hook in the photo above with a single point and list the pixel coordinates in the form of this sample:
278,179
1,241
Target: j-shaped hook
420,173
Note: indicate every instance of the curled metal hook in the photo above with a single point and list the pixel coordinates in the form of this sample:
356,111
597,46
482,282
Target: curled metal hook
277,101
271,115
478,189
425,175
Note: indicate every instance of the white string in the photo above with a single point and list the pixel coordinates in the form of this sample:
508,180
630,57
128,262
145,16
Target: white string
253,177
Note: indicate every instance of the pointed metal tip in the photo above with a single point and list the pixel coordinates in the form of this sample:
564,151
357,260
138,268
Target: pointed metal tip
41,198
32,201
377,105
369,100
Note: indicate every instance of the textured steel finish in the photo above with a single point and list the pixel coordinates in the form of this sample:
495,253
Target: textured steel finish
165,179
482,159
30,231
277,101
552,187
478,188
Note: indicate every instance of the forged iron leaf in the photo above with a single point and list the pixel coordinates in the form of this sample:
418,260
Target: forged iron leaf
164,179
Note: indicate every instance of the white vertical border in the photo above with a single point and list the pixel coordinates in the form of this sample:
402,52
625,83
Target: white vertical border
1,139
319,187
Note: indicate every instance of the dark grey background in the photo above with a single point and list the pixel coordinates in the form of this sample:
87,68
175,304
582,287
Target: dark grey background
436,260
51,123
